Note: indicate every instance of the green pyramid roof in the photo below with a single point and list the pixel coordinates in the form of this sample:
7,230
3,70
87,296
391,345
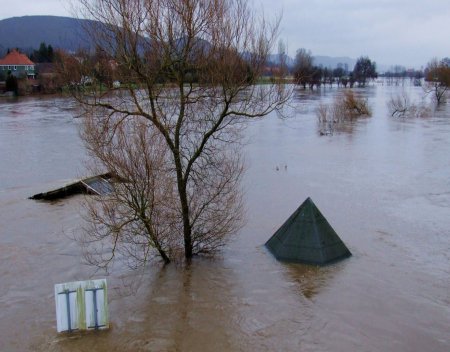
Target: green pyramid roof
307,237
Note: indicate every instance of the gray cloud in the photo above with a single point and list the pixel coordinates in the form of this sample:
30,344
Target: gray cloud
34,7
407,32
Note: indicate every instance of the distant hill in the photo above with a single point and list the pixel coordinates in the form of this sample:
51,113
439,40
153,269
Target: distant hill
325,61
333,62
28,32
275,59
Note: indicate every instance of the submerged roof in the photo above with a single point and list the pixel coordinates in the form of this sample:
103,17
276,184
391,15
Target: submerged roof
307,237
98,185
16,58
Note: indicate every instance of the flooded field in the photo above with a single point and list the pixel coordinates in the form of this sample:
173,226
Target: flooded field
383,183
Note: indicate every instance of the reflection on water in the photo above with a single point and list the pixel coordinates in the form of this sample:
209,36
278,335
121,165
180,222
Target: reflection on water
383,185
308,279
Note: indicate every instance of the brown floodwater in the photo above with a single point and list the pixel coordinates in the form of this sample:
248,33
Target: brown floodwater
383,183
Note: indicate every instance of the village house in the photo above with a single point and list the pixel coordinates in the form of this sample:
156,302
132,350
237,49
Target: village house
19,65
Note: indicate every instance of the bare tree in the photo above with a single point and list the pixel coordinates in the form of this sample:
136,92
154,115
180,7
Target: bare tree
282,57
139,214
400,105
364,70
437,76
189,68
303,67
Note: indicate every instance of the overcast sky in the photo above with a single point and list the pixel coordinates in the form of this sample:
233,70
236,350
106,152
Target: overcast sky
407,32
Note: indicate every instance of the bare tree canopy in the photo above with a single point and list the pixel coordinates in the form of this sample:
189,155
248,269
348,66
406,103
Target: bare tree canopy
188,70
437,76
303,69
364,71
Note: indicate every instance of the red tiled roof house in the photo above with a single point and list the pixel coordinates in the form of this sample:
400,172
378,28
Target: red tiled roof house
19,64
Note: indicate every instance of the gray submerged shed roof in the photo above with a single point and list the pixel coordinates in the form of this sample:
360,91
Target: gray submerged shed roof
99,185
307,237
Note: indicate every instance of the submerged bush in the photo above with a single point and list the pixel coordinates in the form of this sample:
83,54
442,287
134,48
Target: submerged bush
345,107
351,106
400,105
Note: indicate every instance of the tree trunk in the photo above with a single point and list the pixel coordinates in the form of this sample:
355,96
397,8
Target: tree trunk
186,223
181,183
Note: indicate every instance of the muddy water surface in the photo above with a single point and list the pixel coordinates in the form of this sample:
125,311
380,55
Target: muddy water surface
383,183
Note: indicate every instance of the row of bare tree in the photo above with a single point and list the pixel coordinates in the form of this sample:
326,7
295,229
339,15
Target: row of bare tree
309,75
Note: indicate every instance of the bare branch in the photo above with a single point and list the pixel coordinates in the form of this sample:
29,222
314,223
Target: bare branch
188,69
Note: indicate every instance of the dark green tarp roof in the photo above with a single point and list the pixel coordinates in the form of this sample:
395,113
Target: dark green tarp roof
307,237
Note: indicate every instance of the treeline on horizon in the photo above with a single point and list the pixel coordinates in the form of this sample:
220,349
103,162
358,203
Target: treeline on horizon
307,74
302,71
